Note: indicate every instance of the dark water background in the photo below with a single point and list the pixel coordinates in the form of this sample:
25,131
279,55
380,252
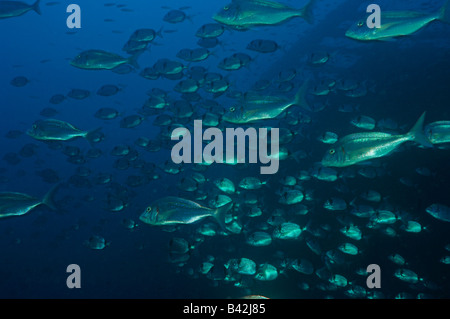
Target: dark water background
411,75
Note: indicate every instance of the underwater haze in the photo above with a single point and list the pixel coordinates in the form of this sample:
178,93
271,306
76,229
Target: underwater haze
87,175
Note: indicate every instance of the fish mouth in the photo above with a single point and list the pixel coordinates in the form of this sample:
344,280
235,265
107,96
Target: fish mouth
227,118
75,64
351,35
327,163
144,219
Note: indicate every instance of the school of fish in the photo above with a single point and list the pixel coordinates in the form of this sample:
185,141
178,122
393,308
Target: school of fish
231,203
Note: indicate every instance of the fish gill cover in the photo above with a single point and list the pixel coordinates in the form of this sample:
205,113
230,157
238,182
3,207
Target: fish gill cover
92,93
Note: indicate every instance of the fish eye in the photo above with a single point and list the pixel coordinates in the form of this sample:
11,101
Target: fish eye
360,23
332,151
34,126
232,109
149,209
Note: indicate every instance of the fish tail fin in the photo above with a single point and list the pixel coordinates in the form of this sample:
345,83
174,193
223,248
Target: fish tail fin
132,60
90,136
417,134
300,96
306,12
36,7
217,94
214,53
48,198
189,17
266,182
159,33
444,13
220,214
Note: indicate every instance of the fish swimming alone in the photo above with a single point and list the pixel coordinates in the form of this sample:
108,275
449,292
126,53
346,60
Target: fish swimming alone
17,204
396,23
10,9
260,107
102,60
358,147
56,130
244,14
174,210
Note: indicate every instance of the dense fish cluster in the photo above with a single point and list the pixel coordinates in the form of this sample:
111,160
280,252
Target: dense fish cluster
313,226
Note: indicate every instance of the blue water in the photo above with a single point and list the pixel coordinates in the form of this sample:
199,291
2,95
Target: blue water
404,77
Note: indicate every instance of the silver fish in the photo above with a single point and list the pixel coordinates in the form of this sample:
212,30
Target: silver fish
355,148
257,107
439,211
56,130
244,14
102,60
17,204
10,9
174,210
395,24
438,132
